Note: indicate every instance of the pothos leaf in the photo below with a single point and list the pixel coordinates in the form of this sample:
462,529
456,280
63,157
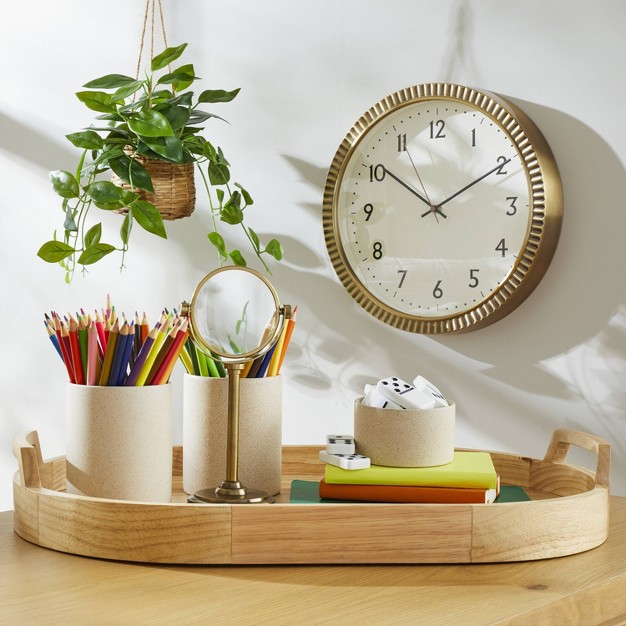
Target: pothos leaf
54,251
237,258
148,217
95,253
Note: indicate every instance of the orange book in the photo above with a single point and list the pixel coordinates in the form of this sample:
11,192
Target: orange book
407,493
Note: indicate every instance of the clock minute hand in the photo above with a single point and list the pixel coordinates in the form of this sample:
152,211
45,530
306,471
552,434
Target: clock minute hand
460,191
415,193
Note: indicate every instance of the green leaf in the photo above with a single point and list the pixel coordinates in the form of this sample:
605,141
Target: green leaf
166,57
97,101
132,172
274,249
171,148
184,99
128,90
64,184
218,241
220,195
92,236
54,251
176,78
110,81
102,160
176,116
197,117
150,123
246,196
219,173
231,213
218,95
87,139
94,253
255,238
148,217
237,259
186,69
126,227
104,192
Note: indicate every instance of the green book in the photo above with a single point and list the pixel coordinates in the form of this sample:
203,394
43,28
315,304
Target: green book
468,468
308,492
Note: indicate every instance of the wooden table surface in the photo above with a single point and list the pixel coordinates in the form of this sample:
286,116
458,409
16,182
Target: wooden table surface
40,586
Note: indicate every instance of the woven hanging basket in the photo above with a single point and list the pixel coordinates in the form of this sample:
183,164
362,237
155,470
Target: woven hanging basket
174,187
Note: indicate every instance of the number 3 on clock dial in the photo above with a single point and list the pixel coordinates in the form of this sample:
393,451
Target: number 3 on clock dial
434,207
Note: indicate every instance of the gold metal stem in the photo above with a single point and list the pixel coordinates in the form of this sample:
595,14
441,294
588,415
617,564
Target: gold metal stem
232,451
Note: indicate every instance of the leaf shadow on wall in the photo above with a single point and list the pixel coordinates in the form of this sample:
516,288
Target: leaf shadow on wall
585,283
574,302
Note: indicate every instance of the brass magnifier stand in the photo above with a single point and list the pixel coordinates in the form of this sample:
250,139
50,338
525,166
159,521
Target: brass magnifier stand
209,338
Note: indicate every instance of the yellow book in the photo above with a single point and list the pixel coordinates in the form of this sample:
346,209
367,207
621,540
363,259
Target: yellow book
469,468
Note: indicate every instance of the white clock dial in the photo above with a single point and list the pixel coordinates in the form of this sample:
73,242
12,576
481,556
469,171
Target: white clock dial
442,208
433,208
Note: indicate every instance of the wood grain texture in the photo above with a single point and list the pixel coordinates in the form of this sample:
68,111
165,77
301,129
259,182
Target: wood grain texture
46,587
568,514
329,533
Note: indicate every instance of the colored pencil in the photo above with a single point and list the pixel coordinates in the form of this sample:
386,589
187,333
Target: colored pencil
273,366
186,360
165,370
162,355
64,342
152,355
202,362
102,342
82,342
77,364
290,327
193,355
130,340
93,360
141,358
109,354
53,338
120,347
218,364
265,362
145,328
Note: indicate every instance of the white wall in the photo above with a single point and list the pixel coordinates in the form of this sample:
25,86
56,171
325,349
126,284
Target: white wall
307,71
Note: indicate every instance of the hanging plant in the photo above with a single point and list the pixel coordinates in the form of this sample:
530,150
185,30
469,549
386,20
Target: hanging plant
145,125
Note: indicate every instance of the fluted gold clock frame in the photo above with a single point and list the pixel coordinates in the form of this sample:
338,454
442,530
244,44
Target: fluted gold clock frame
546,209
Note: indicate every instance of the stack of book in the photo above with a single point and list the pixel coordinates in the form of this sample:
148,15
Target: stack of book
469,478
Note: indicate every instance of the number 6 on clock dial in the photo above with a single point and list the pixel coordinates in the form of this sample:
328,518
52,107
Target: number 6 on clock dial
442,208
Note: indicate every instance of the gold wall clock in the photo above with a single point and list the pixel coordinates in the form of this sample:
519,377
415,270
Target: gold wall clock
442,208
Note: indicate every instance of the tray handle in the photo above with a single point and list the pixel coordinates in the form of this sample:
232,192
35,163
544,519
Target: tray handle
561,440
27,451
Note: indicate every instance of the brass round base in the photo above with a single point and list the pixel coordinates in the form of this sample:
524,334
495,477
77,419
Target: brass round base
230,493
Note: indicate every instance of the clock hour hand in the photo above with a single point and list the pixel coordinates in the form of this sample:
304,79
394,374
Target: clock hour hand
460,191
414,192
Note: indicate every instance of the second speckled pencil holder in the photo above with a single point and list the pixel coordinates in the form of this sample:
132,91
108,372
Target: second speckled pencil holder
205,425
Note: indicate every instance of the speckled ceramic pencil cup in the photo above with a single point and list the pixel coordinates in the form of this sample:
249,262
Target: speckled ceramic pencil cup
119,442
205,424
405,437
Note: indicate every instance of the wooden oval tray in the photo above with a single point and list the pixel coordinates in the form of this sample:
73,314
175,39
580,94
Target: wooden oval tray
568,514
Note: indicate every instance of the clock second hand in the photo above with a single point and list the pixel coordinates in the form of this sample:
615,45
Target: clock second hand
460,191
433,209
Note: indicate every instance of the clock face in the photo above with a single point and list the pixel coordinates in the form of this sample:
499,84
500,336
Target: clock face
432,212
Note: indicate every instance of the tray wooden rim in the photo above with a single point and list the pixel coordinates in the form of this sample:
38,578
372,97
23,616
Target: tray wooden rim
570,517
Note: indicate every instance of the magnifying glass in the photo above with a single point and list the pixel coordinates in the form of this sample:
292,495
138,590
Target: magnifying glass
235,315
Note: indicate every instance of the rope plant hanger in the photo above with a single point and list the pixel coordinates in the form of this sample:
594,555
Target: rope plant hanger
146,138
174,192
